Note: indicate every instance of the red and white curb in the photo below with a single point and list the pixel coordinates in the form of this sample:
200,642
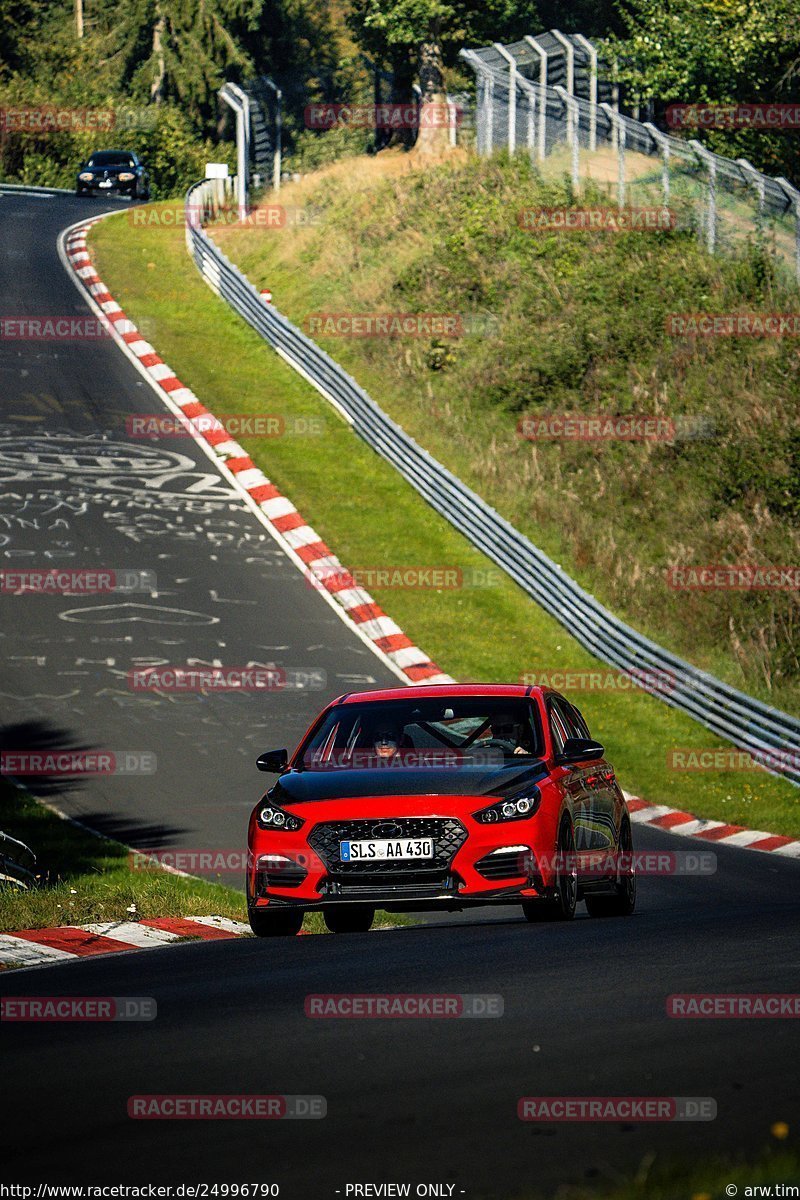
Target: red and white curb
302,543
660,816
43,947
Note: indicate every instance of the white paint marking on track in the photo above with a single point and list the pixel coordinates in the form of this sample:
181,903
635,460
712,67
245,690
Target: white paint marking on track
133,933
16,950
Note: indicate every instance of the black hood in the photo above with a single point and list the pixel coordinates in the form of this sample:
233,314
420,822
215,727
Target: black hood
496,781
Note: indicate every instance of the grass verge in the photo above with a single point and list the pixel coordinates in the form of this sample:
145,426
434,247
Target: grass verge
570,323
773,1169
84,877
370,516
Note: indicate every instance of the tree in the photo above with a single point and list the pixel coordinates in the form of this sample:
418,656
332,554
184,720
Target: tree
18,18
398,30
181,50
717,51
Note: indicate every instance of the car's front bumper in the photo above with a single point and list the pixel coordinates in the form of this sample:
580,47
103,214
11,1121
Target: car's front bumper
116,189
473,864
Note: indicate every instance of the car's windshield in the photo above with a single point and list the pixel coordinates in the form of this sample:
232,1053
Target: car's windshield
110,158
450,733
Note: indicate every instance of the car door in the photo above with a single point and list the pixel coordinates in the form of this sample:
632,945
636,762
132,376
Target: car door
573,779
601,807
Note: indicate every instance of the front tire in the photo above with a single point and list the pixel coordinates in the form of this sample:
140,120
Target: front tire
623,902
562,905
355,918
281,922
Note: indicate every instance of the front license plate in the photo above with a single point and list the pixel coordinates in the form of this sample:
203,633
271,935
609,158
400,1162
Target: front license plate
104,183
383,848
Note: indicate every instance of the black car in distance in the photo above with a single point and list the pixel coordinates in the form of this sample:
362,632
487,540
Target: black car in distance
113,172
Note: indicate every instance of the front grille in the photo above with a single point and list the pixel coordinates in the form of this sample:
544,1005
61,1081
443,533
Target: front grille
447,833
388,887
505,864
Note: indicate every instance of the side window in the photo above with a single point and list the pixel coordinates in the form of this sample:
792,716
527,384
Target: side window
558,730
564,709
575,716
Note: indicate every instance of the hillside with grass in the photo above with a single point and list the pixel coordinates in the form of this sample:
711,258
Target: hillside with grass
570,323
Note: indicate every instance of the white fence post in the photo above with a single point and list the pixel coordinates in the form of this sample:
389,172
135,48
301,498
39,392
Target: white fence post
542,53
618,141
794,197
512,96
569,53
529,92
592,53
711,219
758,183
662,141
573,119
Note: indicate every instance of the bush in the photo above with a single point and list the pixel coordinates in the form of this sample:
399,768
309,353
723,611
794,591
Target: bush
173,153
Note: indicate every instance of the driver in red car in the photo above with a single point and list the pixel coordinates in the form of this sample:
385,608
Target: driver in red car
512,734
386,745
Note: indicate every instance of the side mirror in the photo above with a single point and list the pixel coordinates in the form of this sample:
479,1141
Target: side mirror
578,750
273,760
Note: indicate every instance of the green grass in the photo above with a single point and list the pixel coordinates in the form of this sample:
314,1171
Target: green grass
675,1180
580,327
84,878
371,517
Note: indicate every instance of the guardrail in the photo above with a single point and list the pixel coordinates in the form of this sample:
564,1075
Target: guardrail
16,863
31,187
769,734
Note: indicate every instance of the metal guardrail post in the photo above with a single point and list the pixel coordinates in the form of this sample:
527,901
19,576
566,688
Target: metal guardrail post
573,119
711,166
512,96
17,863
542,55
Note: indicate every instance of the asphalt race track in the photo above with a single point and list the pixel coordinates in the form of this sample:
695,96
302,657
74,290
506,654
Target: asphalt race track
77,491
419,1102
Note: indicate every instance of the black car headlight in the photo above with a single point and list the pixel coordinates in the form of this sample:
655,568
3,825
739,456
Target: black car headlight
518,809
272,817
126,176
86,176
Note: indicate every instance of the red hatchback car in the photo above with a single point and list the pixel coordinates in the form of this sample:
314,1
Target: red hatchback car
440,797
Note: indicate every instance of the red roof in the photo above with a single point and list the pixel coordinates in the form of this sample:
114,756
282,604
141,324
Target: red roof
439,691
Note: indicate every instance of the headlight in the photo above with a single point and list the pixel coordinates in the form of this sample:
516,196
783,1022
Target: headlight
125,176
86,176
518,809
272,817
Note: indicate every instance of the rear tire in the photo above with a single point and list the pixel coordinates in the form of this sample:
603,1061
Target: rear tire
349,918
281,922
623,902
561,906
